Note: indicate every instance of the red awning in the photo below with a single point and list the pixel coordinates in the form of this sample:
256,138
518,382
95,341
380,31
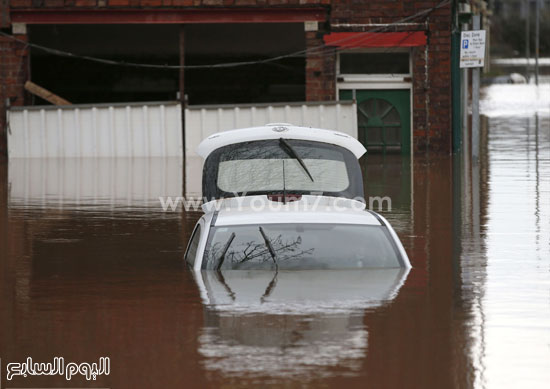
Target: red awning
375,39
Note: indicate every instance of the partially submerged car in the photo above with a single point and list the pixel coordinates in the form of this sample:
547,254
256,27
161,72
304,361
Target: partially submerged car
280,157
287,197
306,232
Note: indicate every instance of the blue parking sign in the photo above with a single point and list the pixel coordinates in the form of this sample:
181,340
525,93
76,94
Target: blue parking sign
465,44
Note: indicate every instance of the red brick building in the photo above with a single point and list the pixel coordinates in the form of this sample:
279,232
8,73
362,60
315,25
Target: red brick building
392,56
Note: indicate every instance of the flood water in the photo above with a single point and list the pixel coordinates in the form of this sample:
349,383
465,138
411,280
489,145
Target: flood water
91,267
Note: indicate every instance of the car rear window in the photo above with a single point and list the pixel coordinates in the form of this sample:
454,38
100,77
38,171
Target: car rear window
300,246
267,166
254,175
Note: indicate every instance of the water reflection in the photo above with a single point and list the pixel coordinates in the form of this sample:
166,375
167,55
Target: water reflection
390,175
93,182
290,323
506,254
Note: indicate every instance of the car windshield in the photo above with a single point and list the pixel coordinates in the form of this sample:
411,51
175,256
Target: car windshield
275,165
300,246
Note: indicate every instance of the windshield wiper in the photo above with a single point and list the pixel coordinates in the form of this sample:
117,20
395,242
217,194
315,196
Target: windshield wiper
290,150
225,248
269,248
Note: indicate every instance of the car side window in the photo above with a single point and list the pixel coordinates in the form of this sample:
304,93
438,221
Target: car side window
193,246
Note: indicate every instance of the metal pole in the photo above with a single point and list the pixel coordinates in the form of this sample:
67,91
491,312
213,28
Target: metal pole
456,89
476,215
475,100
465,100
527,38
537,31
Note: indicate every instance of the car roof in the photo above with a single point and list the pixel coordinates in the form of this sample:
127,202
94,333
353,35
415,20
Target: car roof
276,131
259,210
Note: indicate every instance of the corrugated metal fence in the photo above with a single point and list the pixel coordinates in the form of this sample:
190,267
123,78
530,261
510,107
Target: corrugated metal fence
137,130
99,130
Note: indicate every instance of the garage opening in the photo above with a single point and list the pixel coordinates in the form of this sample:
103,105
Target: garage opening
81,81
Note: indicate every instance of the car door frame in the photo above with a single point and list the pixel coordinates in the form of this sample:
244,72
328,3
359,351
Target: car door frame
200,247
205,224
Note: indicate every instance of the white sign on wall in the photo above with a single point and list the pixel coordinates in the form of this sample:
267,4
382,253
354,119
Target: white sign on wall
472,49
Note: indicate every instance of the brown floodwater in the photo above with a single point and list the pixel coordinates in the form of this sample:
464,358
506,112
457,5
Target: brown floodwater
88,276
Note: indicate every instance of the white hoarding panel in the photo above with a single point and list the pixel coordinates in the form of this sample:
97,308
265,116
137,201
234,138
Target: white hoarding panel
82,131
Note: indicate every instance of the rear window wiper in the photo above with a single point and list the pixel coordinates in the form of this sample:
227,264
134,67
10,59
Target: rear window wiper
225,248
270,248
290,151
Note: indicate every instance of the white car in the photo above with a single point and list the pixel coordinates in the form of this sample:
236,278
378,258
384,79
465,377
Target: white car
263,232
285,197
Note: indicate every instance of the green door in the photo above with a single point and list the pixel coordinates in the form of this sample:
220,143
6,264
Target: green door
383,118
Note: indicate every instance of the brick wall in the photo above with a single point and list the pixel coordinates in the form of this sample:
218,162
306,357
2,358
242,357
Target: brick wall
431,64
14,68
439,124
160,3
320,69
